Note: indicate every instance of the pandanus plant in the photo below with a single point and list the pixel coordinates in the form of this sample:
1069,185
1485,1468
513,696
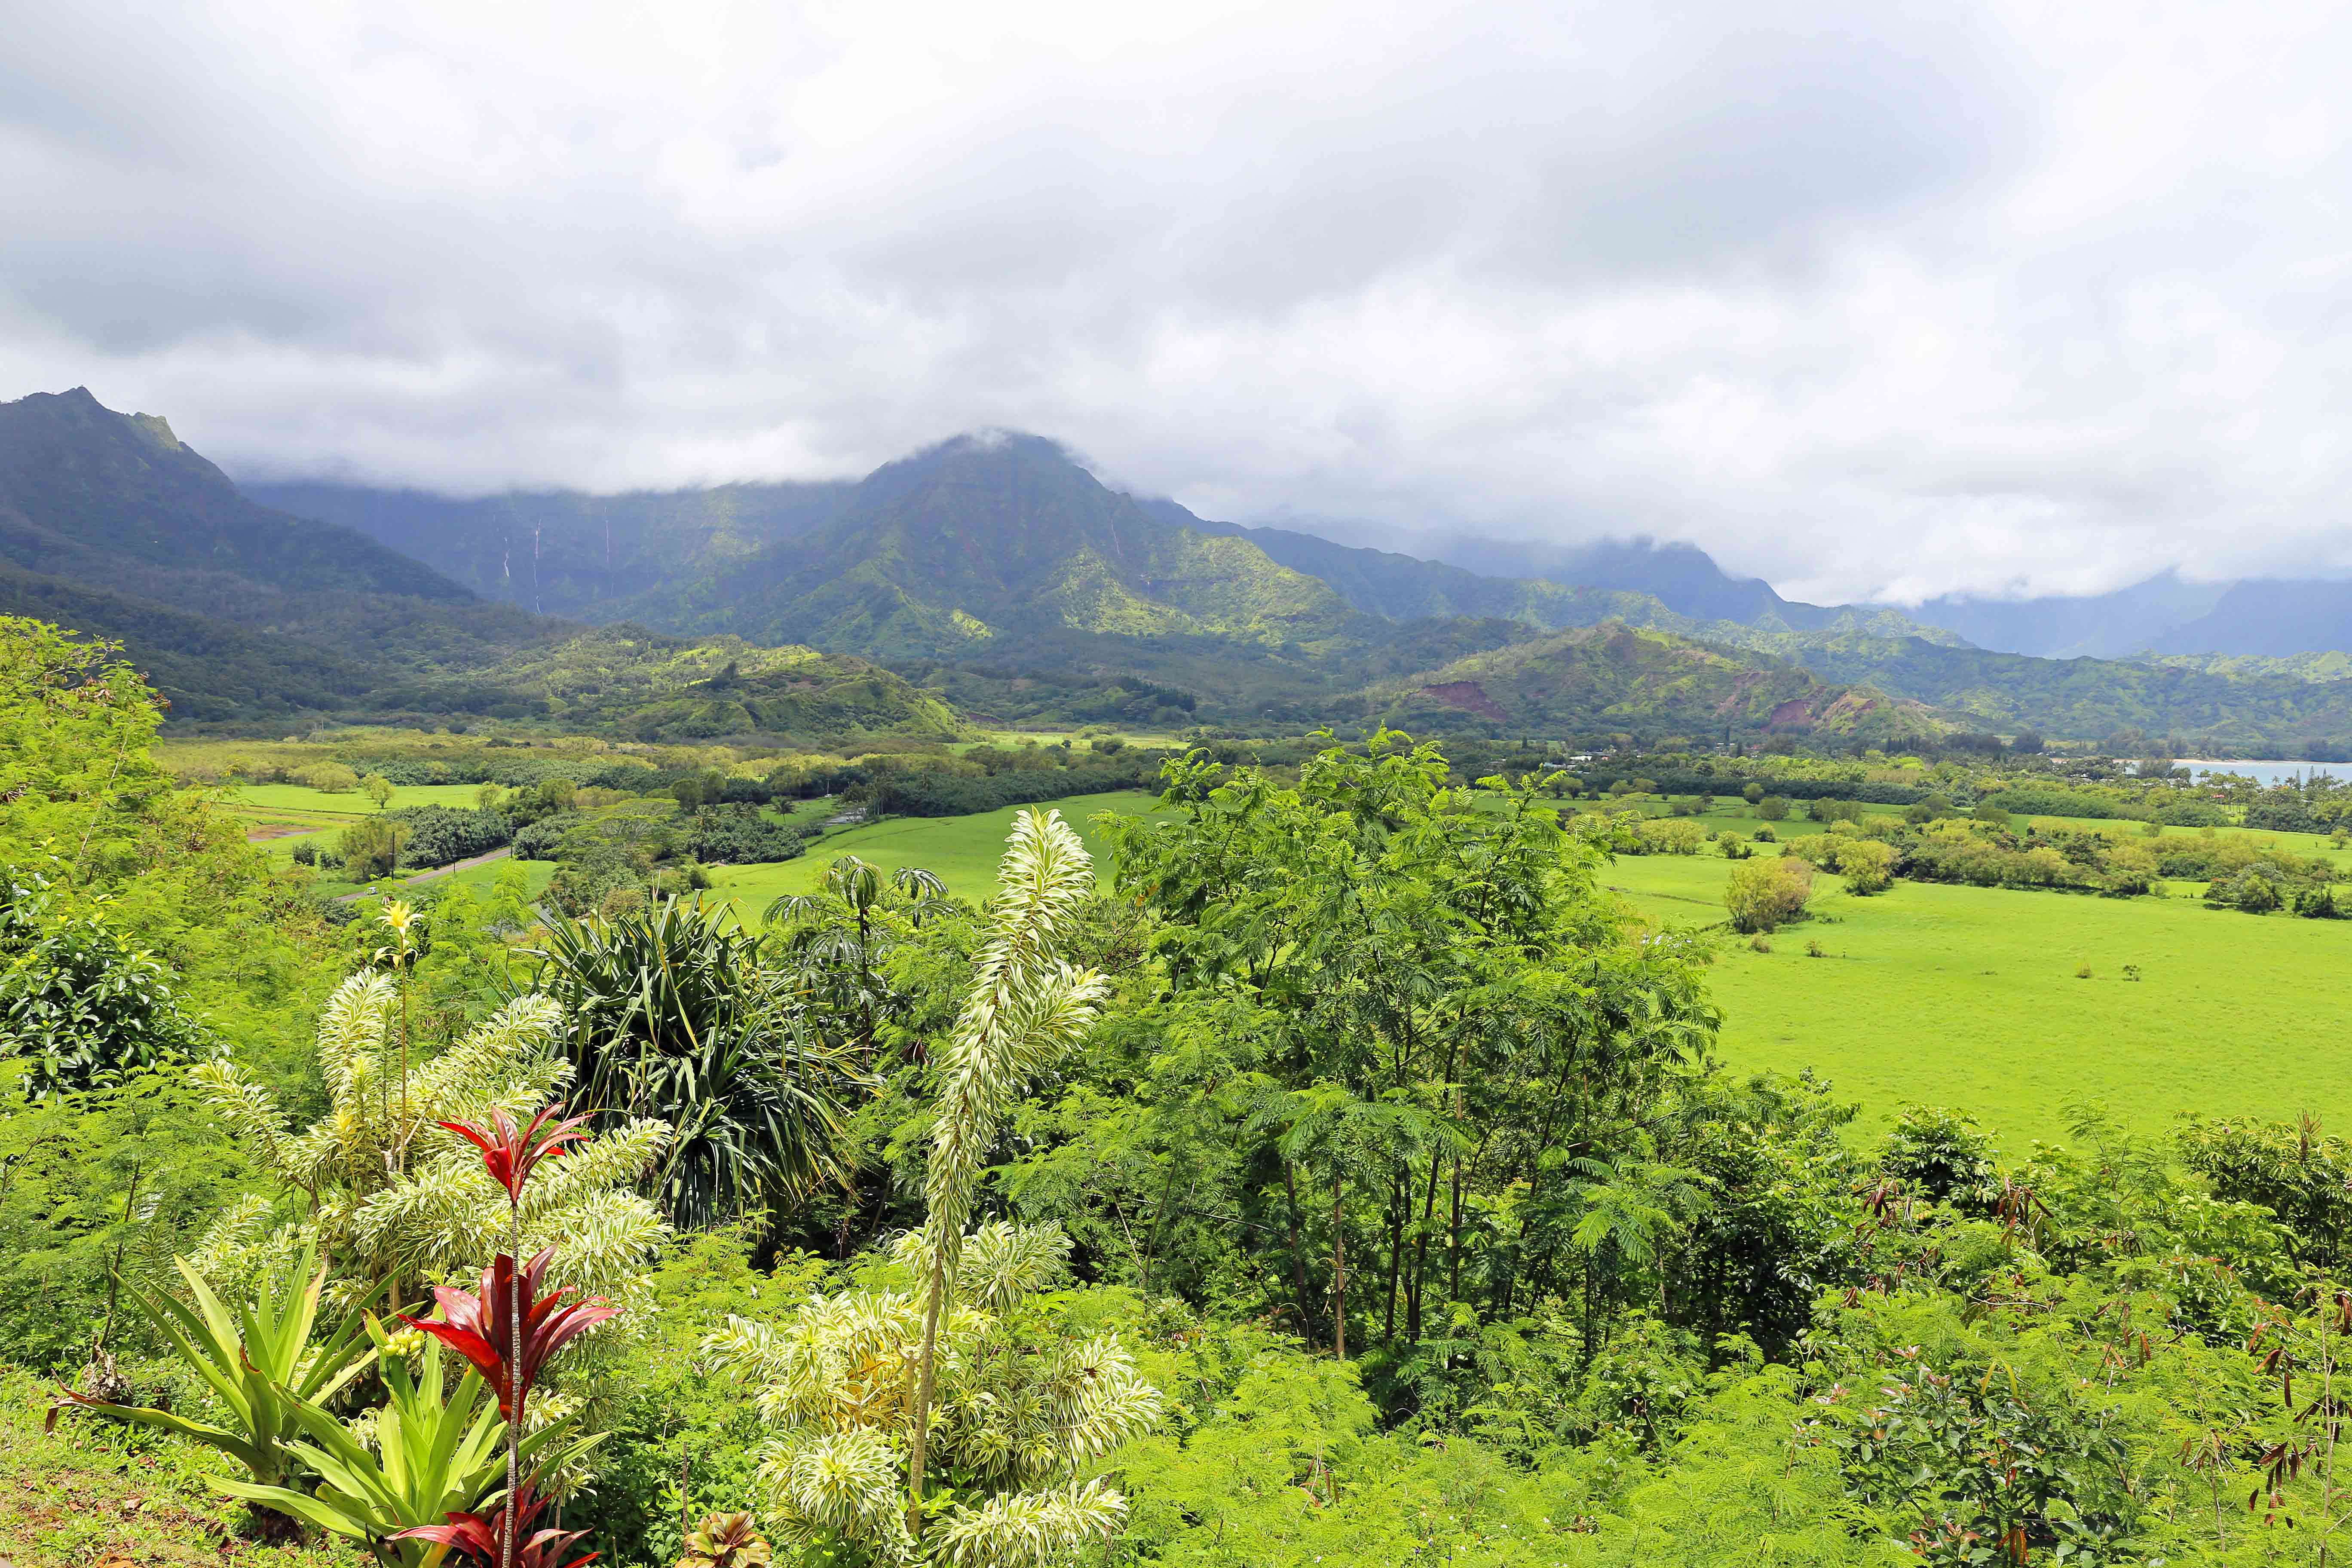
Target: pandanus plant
509,1332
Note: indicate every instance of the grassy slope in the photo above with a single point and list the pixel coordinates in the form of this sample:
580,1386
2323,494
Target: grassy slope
96,1493
1968,998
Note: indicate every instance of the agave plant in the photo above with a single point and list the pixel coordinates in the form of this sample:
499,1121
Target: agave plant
436,1451
671,1013
257,1361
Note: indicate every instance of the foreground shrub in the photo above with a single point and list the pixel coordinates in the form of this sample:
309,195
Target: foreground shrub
671,1012
390,1194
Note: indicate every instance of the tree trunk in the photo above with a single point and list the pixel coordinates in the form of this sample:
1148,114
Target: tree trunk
1338,1275
1298,1259
1398,1201
1453,1287
1421,1254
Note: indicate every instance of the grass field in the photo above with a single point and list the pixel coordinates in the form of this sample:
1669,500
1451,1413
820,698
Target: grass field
963,850
345,803
1969,997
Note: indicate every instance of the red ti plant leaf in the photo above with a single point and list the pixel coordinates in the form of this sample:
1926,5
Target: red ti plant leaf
509,1152
478,1327
471,1536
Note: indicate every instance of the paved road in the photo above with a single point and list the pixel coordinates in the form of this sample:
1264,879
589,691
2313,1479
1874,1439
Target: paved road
436,871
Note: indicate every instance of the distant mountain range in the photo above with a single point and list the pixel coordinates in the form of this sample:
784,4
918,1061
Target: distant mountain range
994,575
242,614
2270,618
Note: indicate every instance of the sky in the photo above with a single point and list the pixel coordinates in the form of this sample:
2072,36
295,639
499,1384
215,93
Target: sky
1875,300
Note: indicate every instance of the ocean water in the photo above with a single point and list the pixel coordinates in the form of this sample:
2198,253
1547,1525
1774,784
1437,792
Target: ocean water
2271,772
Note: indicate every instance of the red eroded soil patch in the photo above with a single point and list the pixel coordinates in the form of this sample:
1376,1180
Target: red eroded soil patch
1467,694
269,830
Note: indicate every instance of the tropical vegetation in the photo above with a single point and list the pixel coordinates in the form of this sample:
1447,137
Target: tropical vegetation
1340,1169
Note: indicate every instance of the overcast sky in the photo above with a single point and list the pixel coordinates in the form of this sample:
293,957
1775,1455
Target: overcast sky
1872,300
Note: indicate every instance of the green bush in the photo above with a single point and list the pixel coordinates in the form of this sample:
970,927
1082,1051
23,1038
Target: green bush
1763,895
440,834
79,1006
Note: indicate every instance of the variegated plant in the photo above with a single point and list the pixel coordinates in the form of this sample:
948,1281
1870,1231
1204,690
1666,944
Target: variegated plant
868,1387
392,1196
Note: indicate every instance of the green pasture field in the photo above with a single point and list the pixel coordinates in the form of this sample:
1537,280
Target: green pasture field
806,814
1968,998
1931,994
347,803
963,850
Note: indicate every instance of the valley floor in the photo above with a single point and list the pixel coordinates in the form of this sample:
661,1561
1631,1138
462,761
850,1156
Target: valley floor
1970,997
1967,997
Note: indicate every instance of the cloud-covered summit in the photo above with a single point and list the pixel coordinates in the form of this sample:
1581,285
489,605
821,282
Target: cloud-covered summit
1875,300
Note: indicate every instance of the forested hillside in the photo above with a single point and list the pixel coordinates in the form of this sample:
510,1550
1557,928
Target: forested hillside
1642,683
239,613
108,521
1000,568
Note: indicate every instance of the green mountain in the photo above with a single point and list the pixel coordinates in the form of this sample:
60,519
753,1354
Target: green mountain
1000,574
1002,559
1642,682
560,552
981,545
2257,707
241,615
108,523
1002,569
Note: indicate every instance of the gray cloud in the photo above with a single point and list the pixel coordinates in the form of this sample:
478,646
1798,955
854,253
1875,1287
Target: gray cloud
1869,298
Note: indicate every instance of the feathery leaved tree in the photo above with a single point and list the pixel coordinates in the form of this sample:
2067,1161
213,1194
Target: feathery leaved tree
390,1197
956,1371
